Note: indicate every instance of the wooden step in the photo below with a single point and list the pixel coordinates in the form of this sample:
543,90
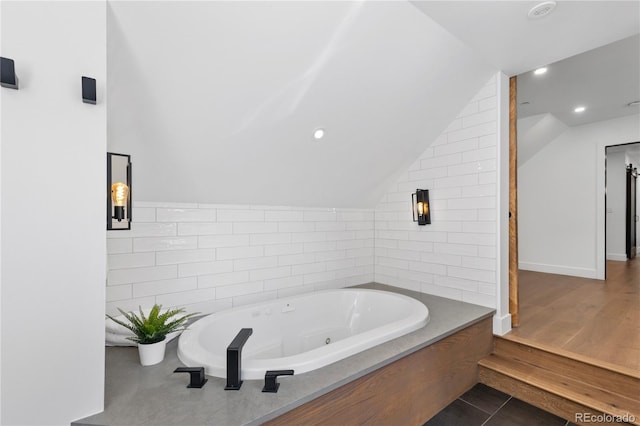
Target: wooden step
571,355
557,405
597,374
561,383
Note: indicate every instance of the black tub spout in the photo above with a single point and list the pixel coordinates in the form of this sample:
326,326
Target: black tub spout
234,357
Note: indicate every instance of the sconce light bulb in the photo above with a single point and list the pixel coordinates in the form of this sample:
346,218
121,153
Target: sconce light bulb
119,194
423,208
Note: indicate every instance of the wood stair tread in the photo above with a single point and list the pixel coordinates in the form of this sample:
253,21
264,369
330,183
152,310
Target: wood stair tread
569,388
510,337
595,375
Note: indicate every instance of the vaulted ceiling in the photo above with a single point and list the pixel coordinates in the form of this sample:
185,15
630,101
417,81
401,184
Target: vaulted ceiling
217,101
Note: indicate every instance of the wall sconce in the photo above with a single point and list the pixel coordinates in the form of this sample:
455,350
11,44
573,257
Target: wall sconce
421,208
118,191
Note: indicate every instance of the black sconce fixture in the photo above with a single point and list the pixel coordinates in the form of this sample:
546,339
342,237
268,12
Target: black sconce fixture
421,208
8,77
89,90
118,191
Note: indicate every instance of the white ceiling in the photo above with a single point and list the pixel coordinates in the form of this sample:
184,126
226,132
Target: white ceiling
603,80
502,33
216,101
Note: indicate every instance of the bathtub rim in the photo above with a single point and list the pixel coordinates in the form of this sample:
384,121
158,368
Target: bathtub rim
253,369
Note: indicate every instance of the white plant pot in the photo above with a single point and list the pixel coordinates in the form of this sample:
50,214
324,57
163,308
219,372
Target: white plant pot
153,353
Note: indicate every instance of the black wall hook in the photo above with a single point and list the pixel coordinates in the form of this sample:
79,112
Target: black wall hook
88,90
196,375
8,77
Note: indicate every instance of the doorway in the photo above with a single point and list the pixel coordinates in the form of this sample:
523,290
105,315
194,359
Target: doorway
631,211
560,229
621,201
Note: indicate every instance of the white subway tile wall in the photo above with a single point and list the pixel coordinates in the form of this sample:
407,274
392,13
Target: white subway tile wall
455,256
208,257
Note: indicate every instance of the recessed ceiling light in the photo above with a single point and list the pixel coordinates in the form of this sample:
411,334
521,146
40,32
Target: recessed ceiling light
579,109
318,133
541,10
540,71
634,103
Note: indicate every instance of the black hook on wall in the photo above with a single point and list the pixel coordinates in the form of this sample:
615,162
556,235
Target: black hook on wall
8,77
88,90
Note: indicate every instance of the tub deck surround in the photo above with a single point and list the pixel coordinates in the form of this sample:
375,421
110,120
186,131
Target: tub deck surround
302,332
155,395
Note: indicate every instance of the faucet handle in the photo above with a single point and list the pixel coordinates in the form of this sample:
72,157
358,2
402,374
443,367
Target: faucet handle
271,379
196,376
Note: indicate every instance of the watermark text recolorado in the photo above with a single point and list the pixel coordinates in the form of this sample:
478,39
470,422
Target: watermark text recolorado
604,418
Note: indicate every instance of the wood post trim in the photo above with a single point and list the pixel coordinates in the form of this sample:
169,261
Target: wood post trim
513,203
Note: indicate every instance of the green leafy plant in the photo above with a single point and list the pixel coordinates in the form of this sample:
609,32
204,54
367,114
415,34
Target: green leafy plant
154,327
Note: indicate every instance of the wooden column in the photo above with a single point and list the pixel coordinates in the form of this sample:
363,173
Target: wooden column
513,203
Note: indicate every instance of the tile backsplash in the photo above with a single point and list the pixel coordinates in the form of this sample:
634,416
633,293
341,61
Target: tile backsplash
208,257
455,256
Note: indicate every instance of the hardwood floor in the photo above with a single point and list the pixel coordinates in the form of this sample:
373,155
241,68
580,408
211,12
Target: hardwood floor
596,319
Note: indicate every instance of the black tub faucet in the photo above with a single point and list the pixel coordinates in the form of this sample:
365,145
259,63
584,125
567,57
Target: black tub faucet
271,379
234,356
196,376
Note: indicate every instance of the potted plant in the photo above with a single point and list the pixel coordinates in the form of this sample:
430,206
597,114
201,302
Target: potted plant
150,331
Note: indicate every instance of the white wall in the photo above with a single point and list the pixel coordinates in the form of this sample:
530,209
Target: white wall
535,132
457,255
561,199
208,257
616,206
53,251
502,317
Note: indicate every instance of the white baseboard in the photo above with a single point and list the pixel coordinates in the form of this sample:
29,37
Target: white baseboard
501,325
558,269
617,256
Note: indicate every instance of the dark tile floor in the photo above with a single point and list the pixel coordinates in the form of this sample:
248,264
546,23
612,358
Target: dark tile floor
485,406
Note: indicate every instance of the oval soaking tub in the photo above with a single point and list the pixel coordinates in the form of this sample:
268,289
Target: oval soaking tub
302,332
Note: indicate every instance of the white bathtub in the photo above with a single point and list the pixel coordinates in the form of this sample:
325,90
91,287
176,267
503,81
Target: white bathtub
301,333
